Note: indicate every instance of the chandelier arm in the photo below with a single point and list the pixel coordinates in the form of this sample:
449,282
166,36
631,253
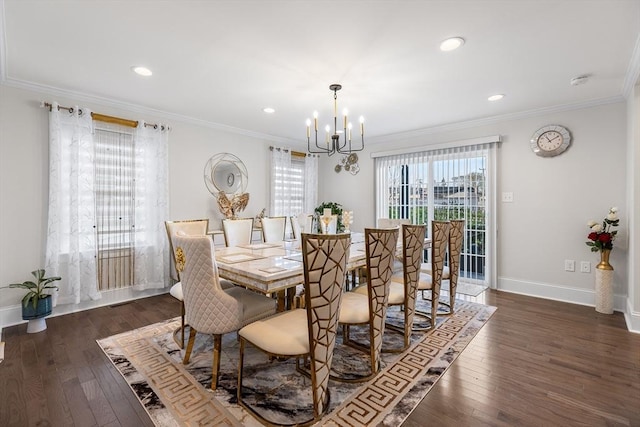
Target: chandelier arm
351,149
320,150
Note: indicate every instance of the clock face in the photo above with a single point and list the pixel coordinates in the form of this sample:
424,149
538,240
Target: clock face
550,141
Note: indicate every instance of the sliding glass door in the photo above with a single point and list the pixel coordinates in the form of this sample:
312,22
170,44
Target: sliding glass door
444,184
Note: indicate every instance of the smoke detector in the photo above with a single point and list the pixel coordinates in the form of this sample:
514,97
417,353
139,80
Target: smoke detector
579,80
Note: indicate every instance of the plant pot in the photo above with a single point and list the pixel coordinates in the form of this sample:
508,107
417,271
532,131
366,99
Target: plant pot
42,309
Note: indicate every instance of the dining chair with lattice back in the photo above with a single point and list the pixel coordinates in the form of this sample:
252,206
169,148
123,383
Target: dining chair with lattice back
456,240
237,231
305,333
273,228
367,304
209,309
433,282
403,293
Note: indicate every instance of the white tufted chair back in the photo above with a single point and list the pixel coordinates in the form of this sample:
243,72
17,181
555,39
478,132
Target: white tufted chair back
273,228
208,308
237,231
198,227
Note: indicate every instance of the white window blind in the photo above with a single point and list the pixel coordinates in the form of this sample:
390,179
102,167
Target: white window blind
442,184
114,199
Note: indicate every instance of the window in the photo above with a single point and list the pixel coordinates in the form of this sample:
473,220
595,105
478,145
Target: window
114,165
443,184
294,178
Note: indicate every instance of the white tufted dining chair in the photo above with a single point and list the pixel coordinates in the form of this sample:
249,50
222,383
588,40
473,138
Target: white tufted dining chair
237,231
273,228
209,309
191,227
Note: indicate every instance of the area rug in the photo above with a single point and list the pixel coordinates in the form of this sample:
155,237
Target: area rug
174,394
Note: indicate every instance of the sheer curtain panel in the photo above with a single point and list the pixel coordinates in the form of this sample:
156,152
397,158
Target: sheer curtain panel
310,183
71,238
151,255
280,197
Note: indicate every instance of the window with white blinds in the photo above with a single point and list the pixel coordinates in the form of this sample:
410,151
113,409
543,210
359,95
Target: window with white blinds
442,184
114,167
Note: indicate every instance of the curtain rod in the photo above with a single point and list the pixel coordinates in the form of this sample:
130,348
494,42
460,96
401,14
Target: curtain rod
106,119
293,153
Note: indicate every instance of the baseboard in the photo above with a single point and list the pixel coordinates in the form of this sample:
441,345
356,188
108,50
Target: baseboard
632,318
558,293
12,315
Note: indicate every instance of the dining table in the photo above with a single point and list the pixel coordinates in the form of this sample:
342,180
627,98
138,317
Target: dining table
277,267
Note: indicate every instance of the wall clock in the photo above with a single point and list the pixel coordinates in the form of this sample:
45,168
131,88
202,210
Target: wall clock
549,141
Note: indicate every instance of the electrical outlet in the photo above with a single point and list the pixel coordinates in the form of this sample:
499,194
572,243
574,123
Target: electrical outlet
507,197
569,265
585,267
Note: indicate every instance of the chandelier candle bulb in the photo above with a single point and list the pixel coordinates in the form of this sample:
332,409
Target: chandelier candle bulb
361,125
315,120
308,128
345,112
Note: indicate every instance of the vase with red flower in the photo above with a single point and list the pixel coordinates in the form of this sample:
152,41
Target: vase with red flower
601,240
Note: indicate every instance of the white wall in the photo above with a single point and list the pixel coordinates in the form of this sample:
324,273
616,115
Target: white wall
24,184
553,198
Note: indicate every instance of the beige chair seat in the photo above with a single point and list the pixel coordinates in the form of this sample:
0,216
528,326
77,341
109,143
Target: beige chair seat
254,306
354,308
396,291
426,268
285,334
424,283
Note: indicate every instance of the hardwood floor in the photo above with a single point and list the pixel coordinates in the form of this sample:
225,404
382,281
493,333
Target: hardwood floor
536,363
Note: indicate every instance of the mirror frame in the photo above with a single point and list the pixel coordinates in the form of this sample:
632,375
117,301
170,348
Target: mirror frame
217,179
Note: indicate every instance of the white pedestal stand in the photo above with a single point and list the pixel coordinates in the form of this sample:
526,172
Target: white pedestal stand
604,291
36,325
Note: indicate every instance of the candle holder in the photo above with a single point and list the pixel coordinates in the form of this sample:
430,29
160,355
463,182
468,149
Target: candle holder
326,220
347,220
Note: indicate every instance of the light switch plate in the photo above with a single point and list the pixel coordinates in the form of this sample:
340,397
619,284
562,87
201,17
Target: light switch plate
507,197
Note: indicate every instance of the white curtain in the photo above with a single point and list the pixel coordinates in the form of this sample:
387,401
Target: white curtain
310,183
151,253
280,192
71,239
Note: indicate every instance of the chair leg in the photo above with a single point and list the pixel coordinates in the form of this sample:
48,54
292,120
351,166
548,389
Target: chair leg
187,353
182,313
240,366
215,370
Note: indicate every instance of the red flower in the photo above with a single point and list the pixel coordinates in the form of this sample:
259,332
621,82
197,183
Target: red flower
605,237
593,236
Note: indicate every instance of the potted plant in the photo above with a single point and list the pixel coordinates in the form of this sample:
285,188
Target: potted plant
36,304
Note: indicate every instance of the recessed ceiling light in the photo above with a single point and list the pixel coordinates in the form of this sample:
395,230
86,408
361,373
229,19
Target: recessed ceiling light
142,71
269,110
451,44
496,97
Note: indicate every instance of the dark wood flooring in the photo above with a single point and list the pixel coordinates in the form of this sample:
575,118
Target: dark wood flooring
536,363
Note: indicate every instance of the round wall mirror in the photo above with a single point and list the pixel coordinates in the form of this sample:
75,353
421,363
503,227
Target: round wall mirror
225,172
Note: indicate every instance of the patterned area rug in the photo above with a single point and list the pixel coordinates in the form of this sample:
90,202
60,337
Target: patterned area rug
175,394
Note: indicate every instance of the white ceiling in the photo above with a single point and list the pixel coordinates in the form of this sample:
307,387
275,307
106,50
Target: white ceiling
223,61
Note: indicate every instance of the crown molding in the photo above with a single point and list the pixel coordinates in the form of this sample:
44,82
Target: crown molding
133,108
633,71
493,119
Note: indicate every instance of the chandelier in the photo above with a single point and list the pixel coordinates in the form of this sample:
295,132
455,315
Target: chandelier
333,143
